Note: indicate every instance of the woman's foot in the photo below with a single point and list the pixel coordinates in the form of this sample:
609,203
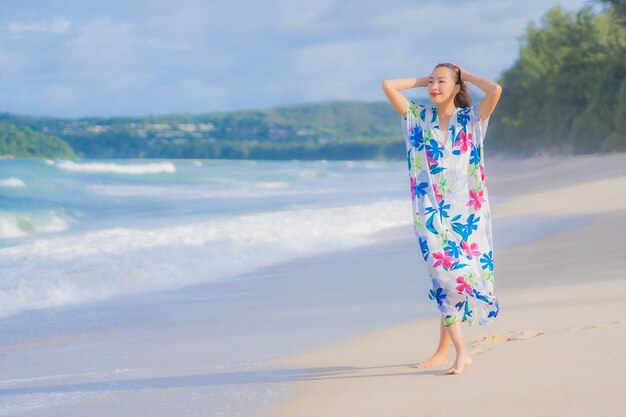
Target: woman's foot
436,359
462,359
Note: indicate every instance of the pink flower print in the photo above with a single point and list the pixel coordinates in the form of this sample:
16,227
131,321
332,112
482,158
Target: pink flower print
470,250
438,195
476,199
443,259
431,161
465,139
413,184
482,173
463,286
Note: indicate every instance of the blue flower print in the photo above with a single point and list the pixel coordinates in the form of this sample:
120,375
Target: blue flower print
463,117
424,248
475,155
443,207
437,295
434,149
453,249
417,138
420,189
487,259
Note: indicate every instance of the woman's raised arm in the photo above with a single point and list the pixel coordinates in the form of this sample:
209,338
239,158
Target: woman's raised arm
494,91
392,90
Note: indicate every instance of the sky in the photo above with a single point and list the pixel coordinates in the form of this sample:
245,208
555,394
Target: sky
81,58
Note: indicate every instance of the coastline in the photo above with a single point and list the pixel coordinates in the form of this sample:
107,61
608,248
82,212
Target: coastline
248,345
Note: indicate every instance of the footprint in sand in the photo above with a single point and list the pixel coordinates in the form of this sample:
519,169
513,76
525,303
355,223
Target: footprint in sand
495,338
500,338
528,334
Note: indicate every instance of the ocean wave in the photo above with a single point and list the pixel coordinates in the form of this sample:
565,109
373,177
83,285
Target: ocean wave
269,185
249,189
116,168
310,174
12,183
20,224
97,265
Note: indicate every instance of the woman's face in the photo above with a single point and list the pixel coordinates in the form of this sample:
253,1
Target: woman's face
442,85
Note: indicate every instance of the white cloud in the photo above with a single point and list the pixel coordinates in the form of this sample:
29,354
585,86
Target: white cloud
119,57
58,25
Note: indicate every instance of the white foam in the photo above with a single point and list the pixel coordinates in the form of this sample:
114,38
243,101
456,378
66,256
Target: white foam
12,183
20,224
308,173
182,192
98,265
270,185
116,168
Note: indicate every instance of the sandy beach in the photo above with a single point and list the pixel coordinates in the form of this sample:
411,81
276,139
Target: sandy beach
556,348
335,334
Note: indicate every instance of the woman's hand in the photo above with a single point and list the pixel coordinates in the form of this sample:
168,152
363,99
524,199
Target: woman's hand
462,72
492,89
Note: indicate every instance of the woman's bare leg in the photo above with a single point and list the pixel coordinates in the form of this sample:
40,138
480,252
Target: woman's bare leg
441,354
462,355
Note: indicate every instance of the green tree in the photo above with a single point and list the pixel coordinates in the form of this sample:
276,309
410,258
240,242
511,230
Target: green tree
563,92
23,142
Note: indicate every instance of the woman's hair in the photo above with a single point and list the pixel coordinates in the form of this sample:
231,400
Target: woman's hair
462,98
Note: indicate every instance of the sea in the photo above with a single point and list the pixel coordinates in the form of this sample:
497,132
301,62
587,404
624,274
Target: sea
121,277
78,231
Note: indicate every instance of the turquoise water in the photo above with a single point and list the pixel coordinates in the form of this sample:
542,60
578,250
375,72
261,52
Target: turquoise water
39,196
80,231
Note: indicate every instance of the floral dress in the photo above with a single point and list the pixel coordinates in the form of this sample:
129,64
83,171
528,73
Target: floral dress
451,214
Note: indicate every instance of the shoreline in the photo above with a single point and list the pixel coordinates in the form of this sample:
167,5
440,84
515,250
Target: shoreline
565,325
162,353
566,338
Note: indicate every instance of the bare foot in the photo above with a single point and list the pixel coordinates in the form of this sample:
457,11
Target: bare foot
436,359
461,360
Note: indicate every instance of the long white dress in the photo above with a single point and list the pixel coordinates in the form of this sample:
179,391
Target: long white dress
451,213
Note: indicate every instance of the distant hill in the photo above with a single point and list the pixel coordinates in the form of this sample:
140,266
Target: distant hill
23,142
328,130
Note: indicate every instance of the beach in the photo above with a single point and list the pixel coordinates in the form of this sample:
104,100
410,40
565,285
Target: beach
556,346
334,334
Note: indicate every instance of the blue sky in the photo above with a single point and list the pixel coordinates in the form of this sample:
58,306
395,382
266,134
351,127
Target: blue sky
140,57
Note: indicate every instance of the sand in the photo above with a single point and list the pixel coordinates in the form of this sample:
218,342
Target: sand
555,349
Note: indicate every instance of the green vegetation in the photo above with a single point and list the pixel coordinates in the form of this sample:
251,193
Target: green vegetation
567,91
331,130
565,94
23,142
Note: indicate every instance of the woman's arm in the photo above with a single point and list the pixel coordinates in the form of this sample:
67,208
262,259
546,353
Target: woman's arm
488,103
392,90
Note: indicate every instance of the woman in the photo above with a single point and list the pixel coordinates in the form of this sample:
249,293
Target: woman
452,218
